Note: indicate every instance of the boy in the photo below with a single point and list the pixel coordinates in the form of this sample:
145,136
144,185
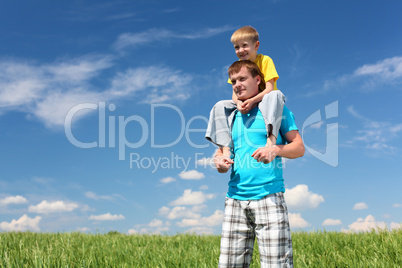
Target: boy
246,44
254,204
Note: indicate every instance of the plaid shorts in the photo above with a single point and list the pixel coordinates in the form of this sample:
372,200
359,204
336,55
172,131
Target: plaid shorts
267,219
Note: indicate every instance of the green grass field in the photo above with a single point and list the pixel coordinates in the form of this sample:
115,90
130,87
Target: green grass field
314,249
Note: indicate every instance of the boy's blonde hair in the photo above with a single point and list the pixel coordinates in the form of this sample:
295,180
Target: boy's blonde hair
245,32
251,67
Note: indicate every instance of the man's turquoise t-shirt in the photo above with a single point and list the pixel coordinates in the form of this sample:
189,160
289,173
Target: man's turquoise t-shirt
249,179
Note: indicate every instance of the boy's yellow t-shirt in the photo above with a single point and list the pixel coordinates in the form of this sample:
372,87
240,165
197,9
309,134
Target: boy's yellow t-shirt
267,67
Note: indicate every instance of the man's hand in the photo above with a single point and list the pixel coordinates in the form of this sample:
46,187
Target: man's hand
222,163
266,154
245,106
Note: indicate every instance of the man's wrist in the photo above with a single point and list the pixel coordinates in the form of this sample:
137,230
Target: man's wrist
273,147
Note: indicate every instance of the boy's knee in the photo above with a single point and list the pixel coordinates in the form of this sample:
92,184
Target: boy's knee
274,94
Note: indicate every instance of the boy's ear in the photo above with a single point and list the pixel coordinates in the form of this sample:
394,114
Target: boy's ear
257,45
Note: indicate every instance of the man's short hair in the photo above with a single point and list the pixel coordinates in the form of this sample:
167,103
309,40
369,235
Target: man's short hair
245,32
251,67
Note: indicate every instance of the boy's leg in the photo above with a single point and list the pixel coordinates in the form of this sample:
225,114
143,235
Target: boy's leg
271,108
238,235
273,232
218,130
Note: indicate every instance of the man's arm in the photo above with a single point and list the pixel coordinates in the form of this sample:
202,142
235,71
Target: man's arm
222,159
295,146
293,149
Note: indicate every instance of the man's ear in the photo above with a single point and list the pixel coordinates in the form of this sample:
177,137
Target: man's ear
258,79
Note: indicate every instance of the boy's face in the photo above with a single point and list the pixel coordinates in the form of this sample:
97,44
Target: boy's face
244,85
246,49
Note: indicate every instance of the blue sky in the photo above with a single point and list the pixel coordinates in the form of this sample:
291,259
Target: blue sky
103,109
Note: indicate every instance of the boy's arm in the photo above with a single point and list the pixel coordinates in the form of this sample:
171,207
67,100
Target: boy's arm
251,103
234,97
293,149
222,159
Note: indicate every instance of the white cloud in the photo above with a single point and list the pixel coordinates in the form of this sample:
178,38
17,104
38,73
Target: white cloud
300,198
33,88
199,208
213,220
375,135
83,229
13,200
106,217
366,225
360,206
46,207
78,70
158,231
200,230
356,114
167,180
156,226
24,82
296,221
155,223
23,224
367,77
53,107
317,125
94,196
50,91
332,222
153,77
135,40
132,232
191,175
178,212
206,162
138,39
191,198
390,68
203,187
164,211
395,225
397,205
86,208
19,83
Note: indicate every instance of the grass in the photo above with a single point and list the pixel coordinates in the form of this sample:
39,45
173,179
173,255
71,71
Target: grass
331,249
315,249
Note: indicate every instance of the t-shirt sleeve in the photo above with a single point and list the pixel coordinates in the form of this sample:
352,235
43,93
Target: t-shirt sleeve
267,67
288,122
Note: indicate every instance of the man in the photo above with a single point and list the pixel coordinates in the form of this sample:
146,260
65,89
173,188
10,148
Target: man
254,204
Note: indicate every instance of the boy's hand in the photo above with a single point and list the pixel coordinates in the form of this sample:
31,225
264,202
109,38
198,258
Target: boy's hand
222,163
240,106
265,154
245,106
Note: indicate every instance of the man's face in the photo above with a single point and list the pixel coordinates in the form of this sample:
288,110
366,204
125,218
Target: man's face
246,49
244,85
